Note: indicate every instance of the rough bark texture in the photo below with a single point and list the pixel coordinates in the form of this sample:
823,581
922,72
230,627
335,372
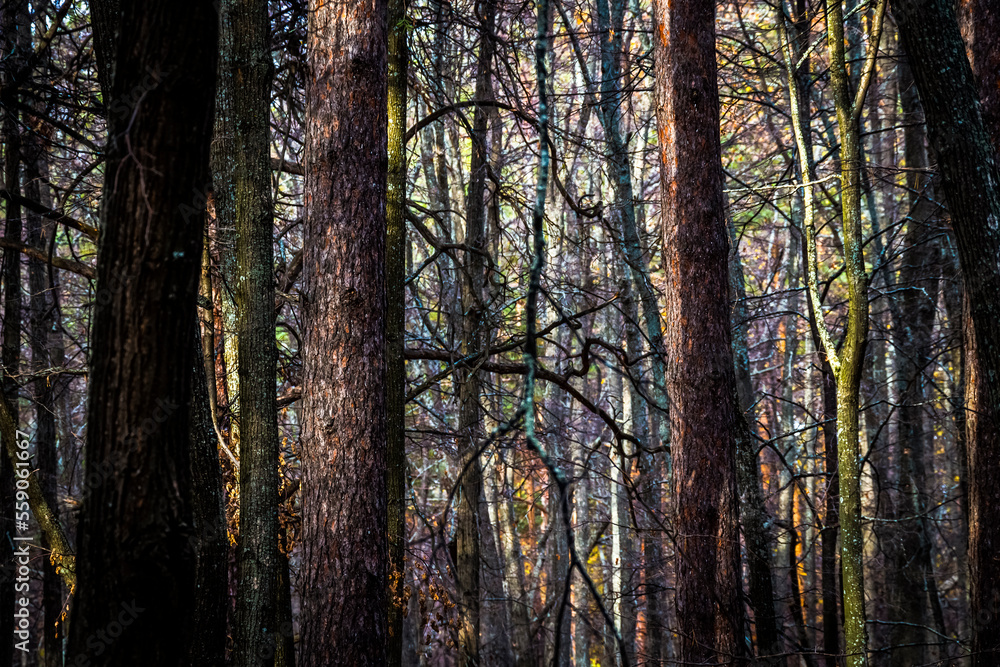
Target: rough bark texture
137,559
242,155
701,382
104,16
344,525
966,159
395,374
980,23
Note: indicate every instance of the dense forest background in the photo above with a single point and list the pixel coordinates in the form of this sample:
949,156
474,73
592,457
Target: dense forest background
487,332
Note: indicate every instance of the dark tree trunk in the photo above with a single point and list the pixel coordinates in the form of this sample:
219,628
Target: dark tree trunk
243,185
208,640
831,521
966,159
344,500
136,557
104,16
701,384
16,44
911,598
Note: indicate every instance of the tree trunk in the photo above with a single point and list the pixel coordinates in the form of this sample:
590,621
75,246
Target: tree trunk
243,199
474,334
16,43
513,573
395,374
701,382
754,519
344,617
208,641
136,556
967,162
797,53
910,547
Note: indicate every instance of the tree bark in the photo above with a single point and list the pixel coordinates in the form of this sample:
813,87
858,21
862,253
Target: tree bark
967,162
344,615
395,377
243,198
701,383
136,555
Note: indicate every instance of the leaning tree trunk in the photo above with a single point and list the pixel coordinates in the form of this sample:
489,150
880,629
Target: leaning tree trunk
967,162
242,142
701,383
136,557
345,547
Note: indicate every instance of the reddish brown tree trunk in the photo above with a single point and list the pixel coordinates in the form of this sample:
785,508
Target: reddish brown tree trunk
344,498
701,384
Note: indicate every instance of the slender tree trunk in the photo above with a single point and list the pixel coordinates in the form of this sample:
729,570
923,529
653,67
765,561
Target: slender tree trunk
847,360
513,559
968,164
344,617
395,373
243,196
474,334
230,174
701,383
135,552
754,519
910,547
795,52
